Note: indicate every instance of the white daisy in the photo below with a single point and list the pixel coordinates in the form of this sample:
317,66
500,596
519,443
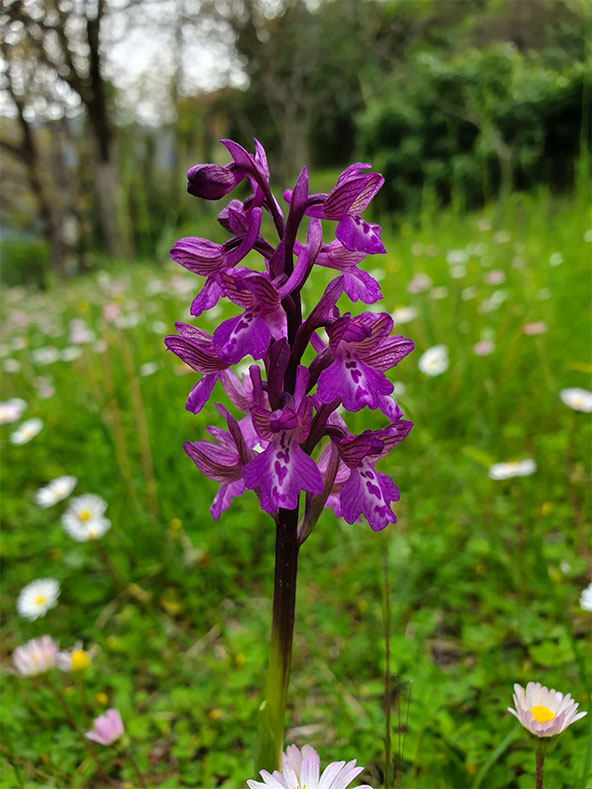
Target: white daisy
420,283
75,659
516,468
70,353
26,431
11,410
148,368
301,770
57,490
454,257
47,355
544,712
11,365
434,361
36,656
578,399
404,314
38,597
586,598
84,519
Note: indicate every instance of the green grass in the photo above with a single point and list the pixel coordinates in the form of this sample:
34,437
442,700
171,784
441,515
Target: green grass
484,576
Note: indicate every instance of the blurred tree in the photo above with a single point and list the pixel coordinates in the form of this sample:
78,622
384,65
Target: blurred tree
64,37
26,150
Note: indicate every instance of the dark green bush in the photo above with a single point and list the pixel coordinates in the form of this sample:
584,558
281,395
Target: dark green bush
474,126
23,259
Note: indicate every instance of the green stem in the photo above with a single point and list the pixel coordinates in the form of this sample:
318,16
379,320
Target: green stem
387,673
270,736
540,766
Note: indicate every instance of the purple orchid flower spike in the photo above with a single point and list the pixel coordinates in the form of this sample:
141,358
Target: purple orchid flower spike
290,445
351,195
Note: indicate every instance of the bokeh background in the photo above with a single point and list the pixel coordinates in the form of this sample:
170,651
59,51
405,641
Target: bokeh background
477,112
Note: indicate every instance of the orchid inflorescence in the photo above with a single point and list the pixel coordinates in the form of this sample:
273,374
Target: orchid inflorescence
272,448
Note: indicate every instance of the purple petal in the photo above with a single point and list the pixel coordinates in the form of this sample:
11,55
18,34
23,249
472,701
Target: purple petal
224,497
356,234
390,353
369,493
354,382
210,181
246,334
195,356
198,255
207,297
339,200
200,393
280,473
216,463
360,286
363,200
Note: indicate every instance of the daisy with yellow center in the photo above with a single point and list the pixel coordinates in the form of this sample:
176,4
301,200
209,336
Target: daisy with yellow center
38,597
85,518
544,712
75,659
514,468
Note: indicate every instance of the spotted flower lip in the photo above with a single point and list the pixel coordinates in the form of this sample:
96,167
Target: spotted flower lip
301,769
544,712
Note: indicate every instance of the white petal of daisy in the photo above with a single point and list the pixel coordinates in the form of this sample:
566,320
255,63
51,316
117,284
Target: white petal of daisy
57,490
586,598
516,468
578,399
82,531
38,597
26,431
300,770
11,410
404,314
434,361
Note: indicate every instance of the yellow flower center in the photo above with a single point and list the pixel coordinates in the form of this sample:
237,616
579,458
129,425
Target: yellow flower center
40,599
85,515
80,660
541,714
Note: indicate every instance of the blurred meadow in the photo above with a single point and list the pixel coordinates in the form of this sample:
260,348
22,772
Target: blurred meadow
477,113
